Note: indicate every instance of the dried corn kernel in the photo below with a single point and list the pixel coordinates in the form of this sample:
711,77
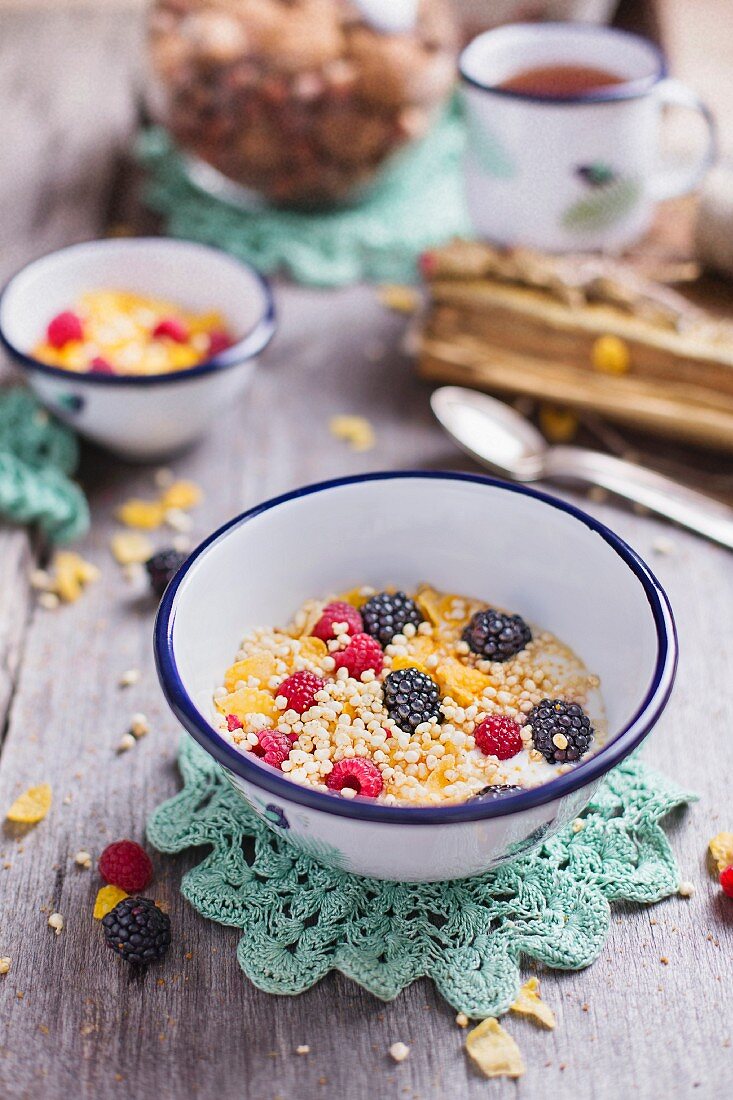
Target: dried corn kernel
106,899
32,806
611,355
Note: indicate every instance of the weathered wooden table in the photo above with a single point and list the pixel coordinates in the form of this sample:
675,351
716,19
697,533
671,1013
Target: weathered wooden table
76,1022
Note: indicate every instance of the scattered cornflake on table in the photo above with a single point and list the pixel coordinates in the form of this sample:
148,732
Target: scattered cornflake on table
181,495
557,424
32,806
145,514
131,547
529,1003
400,299
106,899
721,850
493,1050
130,677
83,859
5,963
398,1052
56,921
354,430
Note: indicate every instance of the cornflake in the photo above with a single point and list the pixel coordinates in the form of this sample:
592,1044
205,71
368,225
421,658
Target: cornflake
493,1050
400,299
106,899
145,514
32,806
131,547
721,850
528,1003
355,430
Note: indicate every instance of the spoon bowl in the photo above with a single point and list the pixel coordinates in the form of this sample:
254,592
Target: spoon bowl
491,432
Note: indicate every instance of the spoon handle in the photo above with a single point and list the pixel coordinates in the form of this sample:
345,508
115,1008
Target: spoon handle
659,494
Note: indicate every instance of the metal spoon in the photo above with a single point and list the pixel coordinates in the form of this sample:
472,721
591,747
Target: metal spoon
499,437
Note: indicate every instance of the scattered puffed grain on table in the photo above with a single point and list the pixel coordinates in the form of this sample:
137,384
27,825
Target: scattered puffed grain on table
56,921
130,677
178,520
399,1051
663,545
126,742
49,601
303,1049
40,579
685,889
164,477
83,859
5,963
139,725
462,1019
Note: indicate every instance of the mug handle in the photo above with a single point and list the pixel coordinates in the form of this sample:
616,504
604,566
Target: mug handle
675,179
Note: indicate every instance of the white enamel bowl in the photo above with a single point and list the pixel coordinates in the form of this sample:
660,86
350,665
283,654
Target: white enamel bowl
510,545
140,418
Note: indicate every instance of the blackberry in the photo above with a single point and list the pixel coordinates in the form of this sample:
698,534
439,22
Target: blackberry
411,697
138,930
162,567
490,794
560,731
387,614
496,636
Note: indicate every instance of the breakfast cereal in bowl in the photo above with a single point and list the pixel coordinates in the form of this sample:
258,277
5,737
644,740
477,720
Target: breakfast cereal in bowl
426,698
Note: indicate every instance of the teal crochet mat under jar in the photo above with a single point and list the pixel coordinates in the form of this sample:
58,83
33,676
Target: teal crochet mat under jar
300,919
417,204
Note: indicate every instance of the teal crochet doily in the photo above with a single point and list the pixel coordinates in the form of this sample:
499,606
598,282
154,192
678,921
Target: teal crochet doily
419,203
301,919
37,455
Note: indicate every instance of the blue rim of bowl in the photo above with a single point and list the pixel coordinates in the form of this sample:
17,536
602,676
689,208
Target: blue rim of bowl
248,347
611,93
274,783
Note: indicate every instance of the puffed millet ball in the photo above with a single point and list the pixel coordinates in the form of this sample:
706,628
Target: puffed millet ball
303,1049
83,859
462,1019
127,742
399,1051
139,725
5,963
686,889
56,921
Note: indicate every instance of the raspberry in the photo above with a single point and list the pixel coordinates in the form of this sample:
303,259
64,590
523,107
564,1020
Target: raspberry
172,328
64,327
411,698
726,881
496,636
99,365
387,613
361,654
357,773
338,612
300,690
498,736
138,930
233,723
125,864
560,731
218,342
273,747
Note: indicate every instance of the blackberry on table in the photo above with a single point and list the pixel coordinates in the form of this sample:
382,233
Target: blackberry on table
138,930
491,793
495,636
411,697
560,731
387,613
162,567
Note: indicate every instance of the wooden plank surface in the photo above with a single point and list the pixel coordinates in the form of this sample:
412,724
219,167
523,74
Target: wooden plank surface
75,1022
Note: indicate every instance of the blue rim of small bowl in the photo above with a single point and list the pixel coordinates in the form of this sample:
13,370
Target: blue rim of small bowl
274,783
255,341
611,93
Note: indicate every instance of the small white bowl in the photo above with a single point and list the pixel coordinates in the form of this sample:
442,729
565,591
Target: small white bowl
503,543
152,416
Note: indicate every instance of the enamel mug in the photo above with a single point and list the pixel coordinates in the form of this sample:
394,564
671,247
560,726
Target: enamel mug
576,172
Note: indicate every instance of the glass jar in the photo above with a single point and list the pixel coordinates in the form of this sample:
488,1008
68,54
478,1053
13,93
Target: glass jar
299,102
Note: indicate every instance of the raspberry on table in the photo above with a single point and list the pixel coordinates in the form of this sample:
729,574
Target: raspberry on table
125,864
300,690
388,613
411,697
560,731
137,930
495,636
359,774
362,654
498,736
337,612
726,881
63,328
162,568
171,328
492,793
273,747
